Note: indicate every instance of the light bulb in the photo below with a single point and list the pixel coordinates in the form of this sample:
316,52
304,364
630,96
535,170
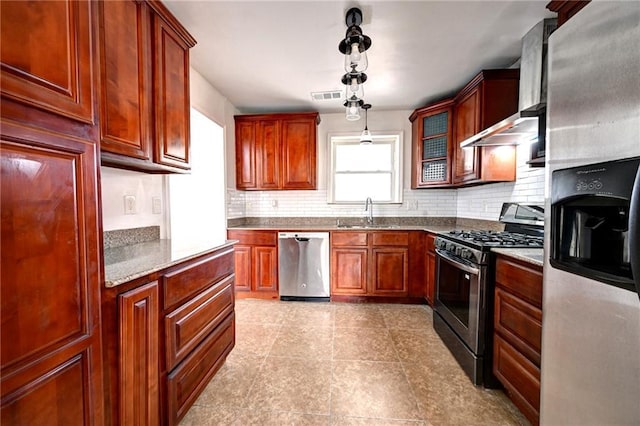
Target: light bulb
353,111
355,55
354,85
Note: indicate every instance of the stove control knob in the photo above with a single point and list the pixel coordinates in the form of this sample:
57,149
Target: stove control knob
467,254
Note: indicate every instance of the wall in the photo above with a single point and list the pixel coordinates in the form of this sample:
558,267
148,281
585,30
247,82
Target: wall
116,184
440,202
485,201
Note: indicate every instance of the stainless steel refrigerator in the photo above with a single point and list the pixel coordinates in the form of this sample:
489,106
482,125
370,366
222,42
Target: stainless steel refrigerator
590,368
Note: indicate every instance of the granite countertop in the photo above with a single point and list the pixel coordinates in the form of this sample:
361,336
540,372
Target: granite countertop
125,263
289,228
430,224
534,256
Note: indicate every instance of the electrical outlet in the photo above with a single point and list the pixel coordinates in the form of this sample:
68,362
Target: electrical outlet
129,204
156,205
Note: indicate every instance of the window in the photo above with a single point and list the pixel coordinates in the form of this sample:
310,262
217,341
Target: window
361,171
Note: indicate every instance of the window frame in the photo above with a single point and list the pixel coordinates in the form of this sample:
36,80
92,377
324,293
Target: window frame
396,138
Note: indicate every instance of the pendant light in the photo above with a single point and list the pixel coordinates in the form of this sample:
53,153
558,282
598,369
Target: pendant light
353,83
354,46
365,137
353,105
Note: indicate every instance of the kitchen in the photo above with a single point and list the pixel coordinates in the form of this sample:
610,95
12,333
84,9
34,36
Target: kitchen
145,344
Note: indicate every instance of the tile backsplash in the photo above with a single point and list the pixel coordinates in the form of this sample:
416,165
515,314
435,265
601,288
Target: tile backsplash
477,202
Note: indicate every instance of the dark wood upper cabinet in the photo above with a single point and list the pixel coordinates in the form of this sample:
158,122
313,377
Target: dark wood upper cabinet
46,56
171,88
268,150
432,132
144,72
438,128
467,160
566,9
490,97
298,154
126,96
276,151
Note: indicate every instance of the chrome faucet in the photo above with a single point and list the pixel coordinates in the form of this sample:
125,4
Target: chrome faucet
368,207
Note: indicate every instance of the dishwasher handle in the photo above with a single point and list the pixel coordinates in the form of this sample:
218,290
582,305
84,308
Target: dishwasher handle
302,239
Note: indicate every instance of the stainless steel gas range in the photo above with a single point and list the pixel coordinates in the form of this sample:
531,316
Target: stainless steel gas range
463,309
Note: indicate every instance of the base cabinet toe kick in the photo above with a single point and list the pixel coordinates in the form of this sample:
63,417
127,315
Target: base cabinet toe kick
166,335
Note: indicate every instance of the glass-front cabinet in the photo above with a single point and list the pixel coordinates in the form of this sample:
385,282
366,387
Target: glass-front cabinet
431,147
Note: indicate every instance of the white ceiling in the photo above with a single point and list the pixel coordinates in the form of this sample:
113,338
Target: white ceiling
267,56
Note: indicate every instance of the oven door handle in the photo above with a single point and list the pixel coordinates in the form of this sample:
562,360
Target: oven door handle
457,264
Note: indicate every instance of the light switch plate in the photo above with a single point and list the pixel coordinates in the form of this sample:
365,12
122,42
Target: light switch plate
129,204
156,205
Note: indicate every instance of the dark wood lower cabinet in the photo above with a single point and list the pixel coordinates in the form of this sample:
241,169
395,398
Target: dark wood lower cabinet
256,258
430,282
166,335
349,270
377,265
517,338
390,271
139,349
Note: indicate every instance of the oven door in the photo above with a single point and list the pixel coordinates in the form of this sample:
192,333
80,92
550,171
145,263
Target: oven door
460,299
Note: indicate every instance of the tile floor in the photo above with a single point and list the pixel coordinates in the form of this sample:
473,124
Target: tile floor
299,363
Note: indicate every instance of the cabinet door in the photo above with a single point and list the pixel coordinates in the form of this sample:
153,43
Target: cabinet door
46,56
268,158
125,72
520,377
349,271
246,154
265,269
243,268
139,347
299,154
390,275
171,88
431,278
50,345
432,133
467,118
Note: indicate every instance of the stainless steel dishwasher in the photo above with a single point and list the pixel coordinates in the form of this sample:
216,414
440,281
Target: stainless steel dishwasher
303,266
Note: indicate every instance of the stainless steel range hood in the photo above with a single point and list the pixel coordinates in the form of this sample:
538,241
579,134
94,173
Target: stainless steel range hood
532,103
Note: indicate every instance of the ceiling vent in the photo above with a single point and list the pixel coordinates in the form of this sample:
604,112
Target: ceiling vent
327,96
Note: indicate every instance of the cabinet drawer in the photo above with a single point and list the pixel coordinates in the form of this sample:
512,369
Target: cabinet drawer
188,380
519,376
390,238
431,242
181,283
190,323
520,323
256,238
522,280
349,238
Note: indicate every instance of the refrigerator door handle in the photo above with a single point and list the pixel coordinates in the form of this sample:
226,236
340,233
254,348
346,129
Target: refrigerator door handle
634,232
